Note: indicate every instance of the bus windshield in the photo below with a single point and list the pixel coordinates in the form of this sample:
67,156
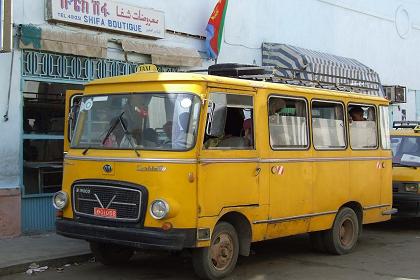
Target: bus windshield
140,121
405,150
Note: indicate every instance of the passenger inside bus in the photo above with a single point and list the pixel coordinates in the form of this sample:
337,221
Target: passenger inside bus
149,138
275,106
234,131
167,128
356,113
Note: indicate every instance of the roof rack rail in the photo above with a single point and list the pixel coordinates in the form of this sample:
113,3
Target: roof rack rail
295,77
282,63
405,124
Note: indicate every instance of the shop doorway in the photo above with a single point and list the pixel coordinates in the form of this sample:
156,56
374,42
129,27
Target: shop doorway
42,157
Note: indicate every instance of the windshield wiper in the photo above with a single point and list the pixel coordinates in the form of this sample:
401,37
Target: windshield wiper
120,121
403,165
127,134
86,150
111,129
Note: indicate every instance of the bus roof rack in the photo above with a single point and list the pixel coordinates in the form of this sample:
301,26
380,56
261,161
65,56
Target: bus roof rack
405,124
297,66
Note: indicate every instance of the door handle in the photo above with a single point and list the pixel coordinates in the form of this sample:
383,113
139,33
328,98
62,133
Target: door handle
257,171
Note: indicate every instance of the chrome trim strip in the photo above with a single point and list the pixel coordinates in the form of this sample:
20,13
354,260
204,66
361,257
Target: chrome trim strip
391,211
322,159
228,160
87,185
124,203
376,206
223,160
143,160
286,219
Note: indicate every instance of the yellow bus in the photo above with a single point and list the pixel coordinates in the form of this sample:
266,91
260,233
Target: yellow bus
212,164
405,143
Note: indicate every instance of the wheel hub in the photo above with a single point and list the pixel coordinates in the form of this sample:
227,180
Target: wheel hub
222,251
346,232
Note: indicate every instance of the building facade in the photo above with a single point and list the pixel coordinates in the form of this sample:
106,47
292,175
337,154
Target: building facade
62,44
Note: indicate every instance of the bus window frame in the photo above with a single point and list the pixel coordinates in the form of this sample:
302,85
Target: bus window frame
376,122
194,146
345,120
227,91
308,131
380,130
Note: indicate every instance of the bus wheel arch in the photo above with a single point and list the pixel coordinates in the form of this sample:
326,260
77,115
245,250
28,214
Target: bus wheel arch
342,237
243,229
358,209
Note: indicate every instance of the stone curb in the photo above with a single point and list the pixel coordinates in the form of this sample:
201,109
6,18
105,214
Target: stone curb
50,262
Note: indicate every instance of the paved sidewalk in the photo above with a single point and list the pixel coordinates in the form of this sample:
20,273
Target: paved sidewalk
16,254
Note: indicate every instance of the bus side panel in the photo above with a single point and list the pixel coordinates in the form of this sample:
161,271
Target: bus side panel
365,179
331,188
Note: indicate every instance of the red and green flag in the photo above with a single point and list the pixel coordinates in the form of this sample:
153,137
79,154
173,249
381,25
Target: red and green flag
214,29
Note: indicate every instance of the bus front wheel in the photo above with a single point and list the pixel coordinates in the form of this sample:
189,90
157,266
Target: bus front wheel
110,254
218,260
342,237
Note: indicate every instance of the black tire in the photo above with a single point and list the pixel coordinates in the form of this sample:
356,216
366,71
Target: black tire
342,237
222,262
111,254
317,241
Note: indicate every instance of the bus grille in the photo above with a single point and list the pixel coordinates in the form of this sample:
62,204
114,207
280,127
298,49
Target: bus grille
126,201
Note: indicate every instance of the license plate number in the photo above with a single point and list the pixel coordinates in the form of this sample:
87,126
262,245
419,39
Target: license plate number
105,212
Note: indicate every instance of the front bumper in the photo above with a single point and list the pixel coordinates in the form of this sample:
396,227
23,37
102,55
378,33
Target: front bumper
145,238
407,204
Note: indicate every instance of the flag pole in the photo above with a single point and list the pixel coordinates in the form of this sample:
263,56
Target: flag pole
214,30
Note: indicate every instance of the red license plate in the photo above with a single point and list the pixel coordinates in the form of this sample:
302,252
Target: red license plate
105,212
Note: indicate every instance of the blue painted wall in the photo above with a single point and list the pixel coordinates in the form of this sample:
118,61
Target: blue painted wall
38,214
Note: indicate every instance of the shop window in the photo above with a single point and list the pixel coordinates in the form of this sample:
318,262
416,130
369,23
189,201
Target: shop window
42,166
43,127
328,125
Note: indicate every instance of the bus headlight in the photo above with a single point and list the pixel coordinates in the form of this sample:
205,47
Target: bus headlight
60,200
411,187
159,209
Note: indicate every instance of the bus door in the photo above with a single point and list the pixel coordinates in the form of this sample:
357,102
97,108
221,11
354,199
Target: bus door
289,166
73,98
330,161
366,164
228,163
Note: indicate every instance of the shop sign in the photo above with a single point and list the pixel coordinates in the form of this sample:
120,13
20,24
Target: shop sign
109,15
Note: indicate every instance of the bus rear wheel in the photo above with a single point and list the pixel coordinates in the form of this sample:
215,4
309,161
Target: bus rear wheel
342,237
218,260
111,254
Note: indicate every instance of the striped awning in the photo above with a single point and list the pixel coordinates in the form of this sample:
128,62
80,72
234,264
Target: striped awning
326,70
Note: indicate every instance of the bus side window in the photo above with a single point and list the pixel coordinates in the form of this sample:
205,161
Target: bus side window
239,126
287,120
362,126
384,127
328,125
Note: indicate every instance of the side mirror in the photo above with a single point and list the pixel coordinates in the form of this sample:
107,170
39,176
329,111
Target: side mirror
216,115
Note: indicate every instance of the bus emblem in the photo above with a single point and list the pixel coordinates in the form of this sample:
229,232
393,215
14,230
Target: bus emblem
107,168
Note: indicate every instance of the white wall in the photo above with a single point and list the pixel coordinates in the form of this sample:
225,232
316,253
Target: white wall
365,30
10,143
361,29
